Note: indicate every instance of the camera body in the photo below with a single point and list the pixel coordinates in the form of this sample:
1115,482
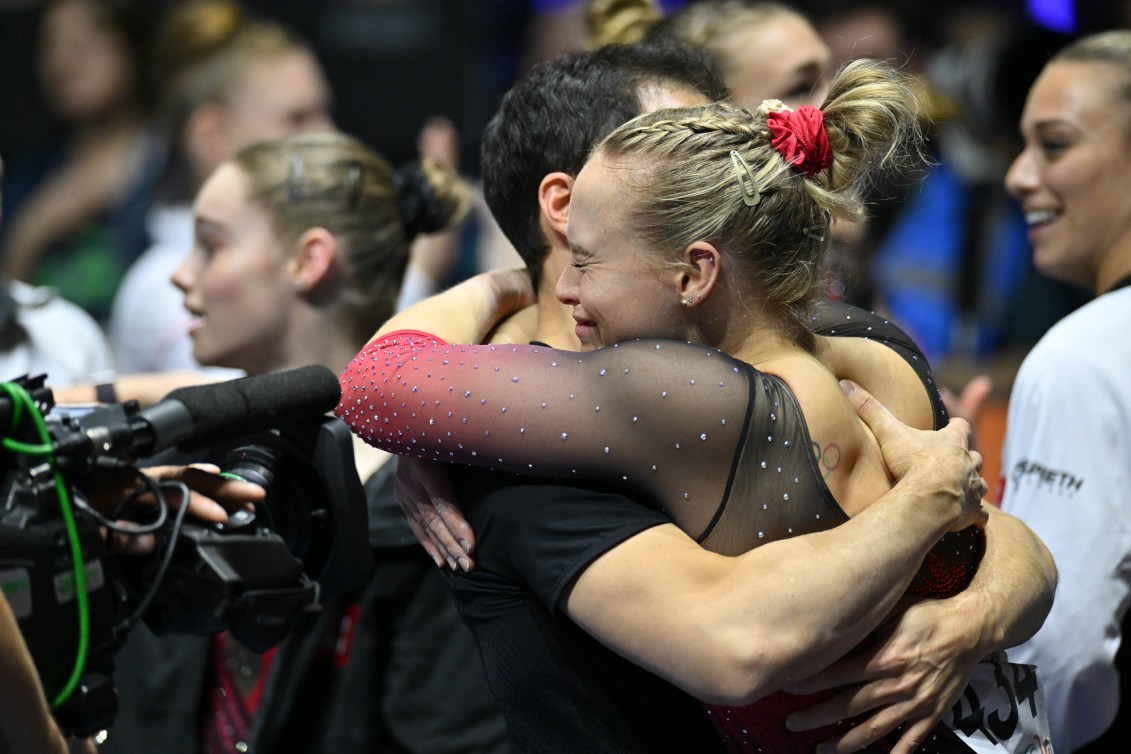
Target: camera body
256,576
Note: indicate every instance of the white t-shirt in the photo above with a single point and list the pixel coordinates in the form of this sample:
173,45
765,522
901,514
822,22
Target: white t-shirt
148,323
1066,467
61,340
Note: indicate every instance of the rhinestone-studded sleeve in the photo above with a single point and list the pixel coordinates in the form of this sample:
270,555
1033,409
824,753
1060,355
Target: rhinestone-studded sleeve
662,416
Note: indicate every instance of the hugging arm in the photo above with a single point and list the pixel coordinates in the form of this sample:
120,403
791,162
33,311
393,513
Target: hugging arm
469,311
730,630
663,416
927,650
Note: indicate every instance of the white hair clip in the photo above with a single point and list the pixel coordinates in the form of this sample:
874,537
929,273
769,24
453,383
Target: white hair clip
746,184
773,106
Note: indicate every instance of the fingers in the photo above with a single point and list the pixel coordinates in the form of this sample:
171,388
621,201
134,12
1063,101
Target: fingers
211,495
855,700
425,495
871,411
437,516
877,727
960,431
850,670
421,533
914,735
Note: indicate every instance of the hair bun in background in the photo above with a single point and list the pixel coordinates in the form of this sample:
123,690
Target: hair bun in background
420,208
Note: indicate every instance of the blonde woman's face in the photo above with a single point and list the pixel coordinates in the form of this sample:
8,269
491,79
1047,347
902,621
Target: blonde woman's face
1074,173
782,58
613,284
235,279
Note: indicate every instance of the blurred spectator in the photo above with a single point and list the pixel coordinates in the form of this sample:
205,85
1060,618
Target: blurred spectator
227,80
1065,461
41,333
74,210
763,50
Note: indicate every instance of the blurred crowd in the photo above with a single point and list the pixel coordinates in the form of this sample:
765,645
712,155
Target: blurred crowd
118,114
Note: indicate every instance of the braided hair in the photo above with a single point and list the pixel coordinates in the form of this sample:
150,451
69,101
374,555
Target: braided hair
689,187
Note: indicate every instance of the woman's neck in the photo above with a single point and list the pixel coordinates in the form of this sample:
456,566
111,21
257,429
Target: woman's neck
116,128
1115,267
315,338
752,332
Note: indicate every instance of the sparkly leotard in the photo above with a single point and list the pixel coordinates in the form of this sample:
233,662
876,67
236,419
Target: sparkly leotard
720,446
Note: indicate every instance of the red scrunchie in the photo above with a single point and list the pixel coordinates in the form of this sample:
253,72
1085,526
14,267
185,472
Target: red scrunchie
799,136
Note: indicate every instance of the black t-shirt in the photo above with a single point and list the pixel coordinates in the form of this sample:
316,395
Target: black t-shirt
561,690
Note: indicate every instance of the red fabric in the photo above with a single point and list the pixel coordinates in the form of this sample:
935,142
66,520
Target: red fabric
799,136
228,720
760,727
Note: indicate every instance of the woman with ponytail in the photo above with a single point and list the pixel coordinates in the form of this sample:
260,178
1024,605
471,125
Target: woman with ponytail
300,245
703,230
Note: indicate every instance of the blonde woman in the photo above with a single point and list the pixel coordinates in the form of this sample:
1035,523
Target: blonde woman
704,226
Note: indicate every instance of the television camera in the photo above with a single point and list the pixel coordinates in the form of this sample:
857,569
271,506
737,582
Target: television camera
255,576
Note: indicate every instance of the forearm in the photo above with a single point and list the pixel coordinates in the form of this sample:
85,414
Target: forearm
731,630
25,719
837,586
1012,591
146,388
467,312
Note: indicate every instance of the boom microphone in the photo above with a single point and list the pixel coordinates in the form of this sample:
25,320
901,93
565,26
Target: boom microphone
197,417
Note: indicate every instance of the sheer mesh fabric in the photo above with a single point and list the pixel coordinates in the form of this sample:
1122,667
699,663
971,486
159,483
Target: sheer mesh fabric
721,447
663,417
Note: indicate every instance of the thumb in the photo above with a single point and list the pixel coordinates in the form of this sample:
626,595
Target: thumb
882,422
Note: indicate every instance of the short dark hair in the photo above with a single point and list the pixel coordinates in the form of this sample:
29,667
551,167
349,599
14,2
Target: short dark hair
551,118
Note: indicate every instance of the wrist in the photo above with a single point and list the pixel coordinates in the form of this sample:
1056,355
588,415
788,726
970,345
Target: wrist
975,609
512,290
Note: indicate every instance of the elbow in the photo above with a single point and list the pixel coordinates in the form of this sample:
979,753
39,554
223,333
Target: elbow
747,668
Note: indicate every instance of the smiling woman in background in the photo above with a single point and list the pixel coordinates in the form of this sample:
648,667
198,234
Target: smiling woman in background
1067,454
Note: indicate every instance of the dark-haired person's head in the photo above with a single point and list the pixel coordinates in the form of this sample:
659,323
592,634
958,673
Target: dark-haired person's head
550,119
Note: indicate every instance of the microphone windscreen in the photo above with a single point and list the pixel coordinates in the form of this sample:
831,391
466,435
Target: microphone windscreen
223,410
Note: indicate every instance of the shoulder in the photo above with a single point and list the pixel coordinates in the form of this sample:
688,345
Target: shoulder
674,355
870,350
1089,347
44,308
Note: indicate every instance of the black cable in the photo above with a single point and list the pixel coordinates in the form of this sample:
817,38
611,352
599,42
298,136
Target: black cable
174,535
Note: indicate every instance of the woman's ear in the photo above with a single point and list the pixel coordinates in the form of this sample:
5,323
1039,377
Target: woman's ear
554,193
314,260
700,273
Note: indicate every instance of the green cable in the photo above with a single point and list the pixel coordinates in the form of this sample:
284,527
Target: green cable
20,399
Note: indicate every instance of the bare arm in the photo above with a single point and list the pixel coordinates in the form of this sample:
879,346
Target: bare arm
924,656
25,719
146,388
1013,589
468,312
730,630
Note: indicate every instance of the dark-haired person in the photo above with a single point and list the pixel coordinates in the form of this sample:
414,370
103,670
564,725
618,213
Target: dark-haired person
556,562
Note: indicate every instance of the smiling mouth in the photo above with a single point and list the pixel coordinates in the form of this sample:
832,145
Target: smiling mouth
1038,218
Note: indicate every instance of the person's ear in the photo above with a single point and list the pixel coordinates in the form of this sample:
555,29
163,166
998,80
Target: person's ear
314,260
699,274
205,136
554,193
